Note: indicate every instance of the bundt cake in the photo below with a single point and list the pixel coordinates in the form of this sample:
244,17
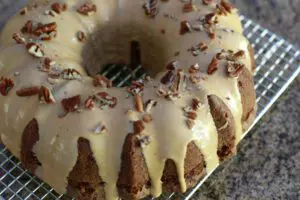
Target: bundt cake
72,128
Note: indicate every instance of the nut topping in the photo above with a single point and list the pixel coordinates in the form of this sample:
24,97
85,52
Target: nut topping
81,36
191,115
26,92
138,126
213,66
103,100
149,105
239,55
45,95
18,38
196,104
100,129
137,87
207,2
87,9
172,65
168,78
28,27
150,8
102,81
35,50
161,92
202,46
226,5
144,140
185,27
6,84
89,103
234,69
194,68
47,64
71,74
59,7
190,123
188,7
71,104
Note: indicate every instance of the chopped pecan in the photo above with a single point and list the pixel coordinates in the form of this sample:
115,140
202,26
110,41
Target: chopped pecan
213,66
194,68
161,93
26,92
211,33
102,81
210,18
59,7
100,129
234,69
172,96
239,55
103,100
46,31
45,95
35,50
196,104
149,105
87,9
138,126
144,140
90,103
147,118
138,101
18,38
71,104
179,82
172,65
6,84
71,74
168,78
137,87
47,64
226,5
150,8
188,7
28,27
207,2
190,123
191,115
185,27
202,46
80,36
24,11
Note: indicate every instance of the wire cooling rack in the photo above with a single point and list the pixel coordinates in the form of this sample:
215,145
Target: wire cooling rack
278,64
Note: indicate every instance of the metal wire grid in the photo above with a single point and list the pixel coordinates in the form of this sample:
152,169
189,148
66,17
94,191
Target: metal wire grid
278,64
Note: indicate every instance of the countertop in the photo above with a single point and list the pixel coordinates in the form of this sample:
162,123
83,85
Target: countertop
267,164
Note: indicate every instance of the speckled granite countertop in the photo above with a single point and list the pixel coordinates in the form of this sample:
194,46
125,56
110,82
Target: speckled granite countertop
267,165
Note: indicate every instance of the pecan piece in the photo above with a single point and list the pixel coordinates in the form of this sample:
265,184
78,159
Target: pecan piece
89,103
47,64
102,81
172,65
194,68
138,126
59,7
196,104
87,9
185,27
45,95
71,104
6,84
28,27
207,2
188,7
202,46
71,74
226,5
150,8
168,78
18,38
213,66
105,100
26,92
191,115
81,36
35,50
190,123
149,105
234,69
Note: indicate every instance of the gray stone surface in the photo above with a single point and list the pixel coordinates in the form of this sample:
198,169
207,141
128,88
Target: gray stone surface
267,165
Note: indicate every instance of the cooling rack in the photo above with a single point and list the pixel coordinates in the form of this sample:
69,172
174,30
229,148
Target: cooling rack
278,64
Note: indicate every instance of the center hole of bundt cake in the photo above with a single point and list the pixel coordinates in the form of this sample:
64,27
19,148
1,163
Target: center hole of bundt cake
121,71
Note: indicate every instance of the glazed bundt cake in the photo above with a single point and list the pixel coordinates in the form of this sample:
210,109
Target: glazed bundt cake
73,129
